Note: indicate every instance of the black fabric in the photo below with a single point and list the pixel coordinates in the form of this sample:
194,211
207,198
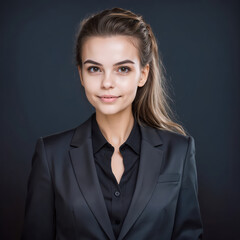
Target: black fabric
117,196
65,200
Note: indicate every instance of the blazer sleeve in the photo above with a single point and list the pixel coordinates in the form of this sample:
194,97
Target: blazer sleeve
188,222
39,222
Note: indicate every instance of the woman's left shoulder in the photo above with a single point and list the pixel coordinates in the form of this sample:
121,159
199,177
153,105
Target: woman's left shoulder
175,138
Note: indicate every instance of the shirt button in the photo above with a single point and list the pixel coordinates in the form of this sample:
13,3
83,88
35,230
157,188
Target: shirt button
117,194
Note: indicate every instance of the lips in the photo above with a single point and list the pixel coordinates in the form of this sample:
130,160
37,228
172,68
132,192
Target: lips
108,98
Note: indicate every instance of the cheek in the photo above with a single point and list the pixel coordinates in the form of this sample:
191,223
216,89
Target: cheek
90,86
130,86
89,92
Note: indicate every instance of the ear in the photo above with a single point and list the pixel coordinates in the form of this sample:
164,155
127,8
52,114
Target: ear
80,75
144,75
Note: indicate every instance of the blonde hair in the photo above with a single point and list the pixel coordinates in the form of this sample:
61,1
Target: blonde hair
150,106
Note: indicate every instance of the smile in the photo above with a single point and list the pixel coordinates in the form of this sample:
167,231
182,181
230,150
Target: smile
108,99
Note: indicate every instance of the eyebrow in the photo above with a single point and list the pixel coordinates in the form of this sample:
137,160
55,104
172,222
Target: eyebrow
116,64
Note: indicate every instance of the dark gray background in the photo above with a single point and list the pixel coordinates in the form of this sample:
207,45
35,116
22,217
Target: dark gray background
41,93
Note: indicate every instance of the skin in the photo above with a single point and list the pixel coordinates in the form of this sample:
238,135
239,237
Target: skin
104,77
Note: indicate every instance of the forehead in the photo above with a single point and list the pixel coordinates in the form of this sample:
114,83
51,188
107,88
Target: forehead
110,49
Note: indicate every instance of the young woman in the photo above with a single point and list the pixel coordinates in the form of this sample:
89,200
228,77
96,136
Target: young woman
128,172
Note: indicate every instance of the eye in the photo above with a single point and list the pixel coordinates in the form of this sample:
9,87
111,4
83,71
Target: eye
93,69
124,69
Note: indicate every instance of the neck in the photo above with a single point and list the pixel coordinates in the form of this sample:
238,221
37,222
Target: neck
116,127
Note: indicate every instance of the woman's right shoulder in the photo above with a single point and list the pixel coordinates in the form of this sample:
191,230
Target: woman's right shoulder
58,137
58,140
63,140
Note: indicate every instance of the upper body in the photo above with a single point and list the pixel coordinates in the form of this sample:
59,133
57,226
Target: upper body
65,200
120,71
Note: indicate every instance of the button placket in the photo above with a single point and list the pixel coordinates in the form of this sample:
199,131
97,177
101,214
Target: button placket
116,206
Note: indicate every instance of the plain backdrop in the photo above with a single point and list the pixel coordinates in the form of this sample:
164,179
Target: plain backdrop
41,93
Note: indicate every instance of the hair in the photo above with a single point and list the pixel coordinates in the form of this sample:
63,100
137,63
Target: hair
150,106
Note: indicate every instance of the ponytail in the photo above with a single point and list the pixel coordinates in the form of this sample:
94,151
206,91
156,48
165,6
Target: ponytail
150,106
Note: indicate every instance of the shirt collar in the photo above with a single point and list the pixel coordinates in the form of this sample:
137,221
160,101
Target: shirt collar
98,140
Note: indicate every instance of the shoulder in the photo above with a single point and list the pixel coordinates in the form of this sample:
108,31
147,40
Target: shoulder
167,140
174,136
64,140
165,137
59,137
58,140
176,140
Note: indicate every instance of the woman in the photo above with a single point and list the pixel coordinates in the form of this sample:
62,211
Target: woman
129,171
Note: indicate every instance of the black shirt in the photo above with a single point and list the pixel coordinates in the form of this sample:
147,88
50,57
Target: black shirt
117,196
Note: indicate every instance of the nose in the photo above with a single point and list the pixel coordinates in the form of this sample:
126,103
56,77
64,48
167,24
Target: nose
108,80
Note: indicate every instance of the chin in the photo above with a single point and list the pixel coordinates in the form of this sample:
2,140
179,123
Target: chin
107,112
111,111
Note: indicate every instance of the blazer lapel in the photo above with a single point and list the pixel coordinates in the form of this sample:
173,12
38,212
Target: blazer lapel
85,171
149,169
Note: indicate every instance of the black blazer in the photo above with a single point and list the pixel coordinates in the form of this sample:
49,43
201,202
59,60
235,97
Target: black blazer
65,202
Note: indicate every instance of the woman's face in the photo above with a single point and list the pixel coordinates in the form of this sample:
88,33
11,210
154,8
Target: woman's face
111,73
